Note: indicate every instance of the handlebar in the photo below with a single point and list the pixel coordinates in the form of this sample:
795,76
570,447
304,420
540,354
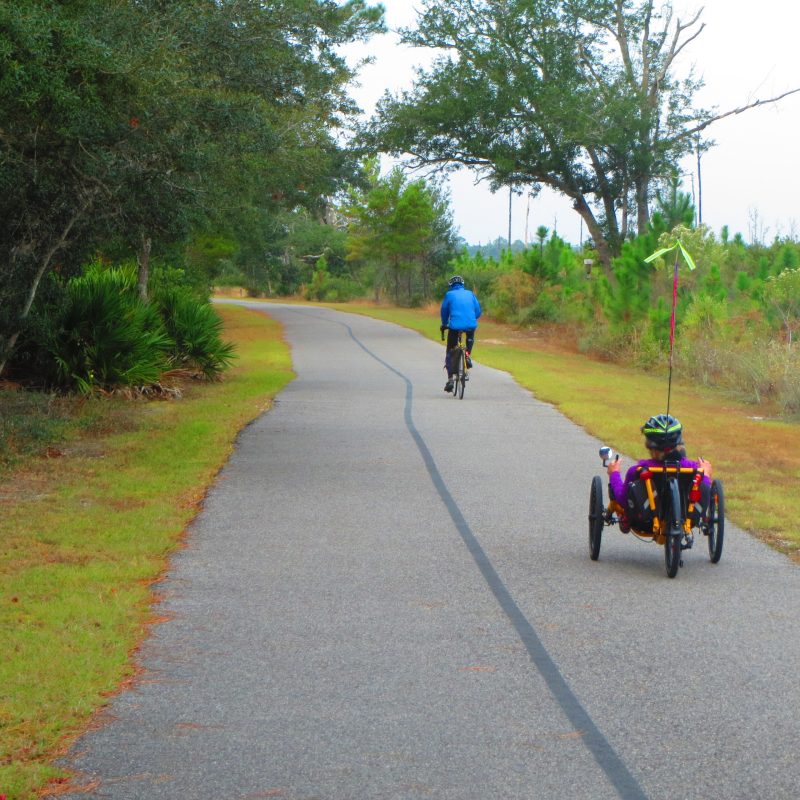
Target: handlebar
674,470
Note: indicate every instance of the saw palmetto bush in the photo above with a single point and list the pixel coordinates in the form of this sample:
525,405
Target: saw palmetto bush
195,331
105,336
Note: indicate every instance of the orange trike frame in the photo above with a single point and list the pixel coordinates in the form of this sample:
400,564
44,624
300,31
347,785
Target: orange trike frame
658,532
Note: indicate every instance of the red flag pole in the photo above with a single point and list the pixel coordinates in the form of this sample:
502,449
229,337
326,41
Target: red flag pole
672,328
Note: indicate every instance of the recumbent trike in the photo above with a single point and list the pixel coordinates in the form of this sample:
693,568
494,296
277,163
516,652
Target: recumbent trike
669,505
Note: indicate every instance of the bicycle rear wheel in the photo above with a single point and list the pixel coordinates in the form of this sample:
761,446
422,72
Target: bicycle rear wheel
458,369
461,381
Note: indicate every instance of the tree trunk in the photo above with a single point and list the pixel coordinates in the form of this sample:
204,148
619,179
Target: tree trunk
642,207
601,244
143,260
608,199
10,343
625,212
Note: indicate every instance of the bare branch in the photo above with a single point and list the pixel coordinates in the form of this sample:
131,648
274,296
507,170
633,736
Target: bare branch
645,53
621,36
677,45
690,39
587,67
704,125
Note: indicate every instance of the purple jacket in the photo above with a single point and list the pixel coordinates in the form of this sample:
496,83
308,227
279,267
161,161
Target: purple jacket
619,490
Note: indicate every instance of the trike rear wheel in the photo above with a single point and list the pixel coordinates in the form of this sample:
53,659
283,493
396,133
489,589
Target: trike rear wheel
595,517
716,522
672,544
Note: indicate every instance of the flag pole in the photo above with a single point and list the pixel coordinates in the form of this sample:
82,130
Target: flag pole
672,328
680,251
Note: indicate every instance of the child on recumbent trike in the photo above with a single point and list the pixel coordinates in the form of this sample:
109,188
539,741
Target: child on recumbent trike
664,439
664,499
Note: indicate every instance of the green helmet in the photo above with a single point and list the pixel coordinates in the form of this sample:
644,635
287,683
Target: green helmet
662,432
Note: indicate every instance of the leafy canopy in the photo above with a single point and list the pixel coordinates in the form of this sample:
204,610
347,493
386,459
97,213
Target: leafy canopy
578,95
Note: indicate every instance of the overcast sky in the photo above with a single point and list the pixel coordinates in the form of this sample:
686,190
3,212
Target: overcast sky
750,179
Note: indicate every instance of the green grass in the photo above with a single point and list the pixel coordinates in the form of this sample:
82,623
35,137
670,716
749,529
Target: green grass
30,422
757,460
85,535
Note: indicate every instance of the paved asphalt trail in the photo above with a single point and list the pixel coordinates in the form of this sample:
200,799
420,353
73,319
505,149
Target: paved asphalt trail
388,595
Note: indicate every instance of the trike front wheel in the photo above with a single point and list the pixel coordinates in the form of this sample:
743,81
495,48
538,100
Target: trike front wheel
595,517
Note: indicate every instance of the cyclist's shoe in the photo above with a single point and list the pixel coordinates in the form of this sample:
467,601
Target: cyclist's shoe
469,362
448,387
466,376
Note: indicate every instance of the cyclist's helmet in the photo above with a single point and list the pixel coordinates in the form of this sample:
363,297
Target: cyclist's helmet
456,279
662,432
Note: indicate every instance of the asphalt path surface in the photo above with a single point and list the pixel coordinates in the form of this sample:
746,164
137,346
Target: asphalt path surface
389,594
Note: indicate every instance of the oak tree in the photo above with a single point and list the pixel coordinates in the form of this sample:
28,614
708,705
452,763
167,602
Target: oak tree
584,96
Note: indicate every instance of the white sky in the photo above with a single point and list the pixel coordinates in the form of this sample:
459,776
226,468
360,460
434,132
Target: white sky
750,179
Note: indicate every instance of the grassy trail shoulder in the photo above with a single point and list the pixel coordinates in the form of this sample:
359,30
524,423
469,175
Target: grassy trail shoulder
85,535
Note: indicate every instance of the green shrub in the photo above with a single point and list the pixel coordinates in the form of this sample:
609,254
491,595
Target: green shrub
101,335
512,292
195,333
319,286
105,336
164,277
230,279
545,308
329,289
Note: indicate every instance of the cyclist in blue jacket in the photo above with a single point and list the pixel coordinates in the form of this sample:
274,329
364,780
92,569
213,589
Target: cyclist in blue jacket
460,311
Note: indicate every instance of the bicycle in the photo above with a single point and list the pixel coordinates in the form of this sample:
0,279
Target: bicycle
459,366
673,506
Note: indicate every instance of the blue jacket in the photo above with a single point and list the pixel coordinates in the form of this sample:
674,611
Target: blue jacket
460,309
